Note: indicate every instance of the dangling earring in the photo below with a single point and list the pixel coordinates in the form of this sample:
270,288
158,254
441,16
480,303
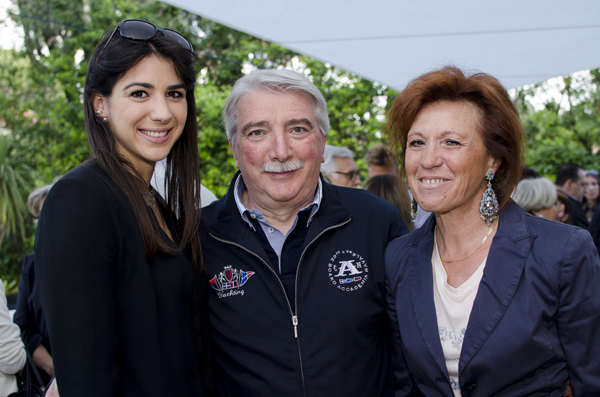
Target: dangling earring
413,210
488,209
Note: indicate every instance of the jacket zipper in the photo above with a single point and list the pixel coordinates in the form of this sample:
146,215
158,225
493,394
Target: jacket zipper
293,313
295,318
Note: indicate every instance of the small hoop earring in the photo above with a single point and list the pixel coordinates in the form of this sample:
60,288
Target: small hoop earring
488,208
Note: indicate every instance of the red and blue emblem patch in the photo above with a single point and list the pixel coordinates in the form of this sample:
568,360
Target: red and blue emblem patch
229,280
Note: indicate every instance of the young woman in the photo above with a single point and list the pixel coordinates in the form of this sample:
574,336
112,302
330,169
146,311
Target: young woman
120,269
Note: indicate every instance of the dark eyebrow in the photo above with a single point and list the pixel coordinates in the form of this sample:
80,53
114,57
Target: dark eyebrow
443,133
150,86
145,85
254,124
306,122
176,87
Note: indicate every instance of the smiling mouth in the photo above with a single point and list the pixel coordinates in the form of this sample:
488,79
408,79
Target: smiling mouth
154,134
432,181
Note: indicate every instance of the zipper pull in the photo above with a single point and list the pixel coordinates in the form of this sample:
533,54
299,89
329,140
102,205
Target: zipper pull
295,322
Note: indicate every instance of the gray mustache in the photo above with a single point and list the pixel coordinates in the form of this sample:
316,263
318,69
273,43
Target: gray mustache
277,167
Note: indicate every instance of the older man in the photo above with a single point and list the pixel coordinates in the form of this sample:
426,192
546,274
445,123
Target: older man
339,167
296,264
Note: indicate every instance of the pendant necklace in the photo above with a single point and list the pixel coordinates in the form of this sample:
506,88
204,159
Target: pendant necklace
474,252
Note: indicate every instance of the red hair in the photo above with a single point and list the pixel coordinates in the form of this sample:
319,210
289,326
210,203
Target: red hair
499,124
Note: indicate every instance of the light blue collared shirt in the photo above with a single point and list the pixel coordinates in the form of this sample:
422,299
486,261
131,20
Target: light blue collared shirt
275,237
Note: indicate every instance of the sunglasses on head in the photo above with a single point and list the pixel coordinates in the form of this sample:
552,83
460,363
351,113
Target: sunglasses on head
139,30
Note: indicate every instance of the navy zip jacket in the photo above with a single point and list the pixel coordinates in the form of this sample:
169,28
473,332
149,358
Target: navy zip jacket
333,339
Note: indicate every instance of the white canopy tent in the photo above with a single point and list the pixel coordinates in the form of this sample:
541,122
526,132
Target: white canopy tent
391,41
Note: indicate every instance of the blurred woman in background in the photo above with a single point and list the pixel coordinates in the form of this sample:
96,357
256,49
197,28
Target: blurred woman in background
537,196
391,188
563,207
591,193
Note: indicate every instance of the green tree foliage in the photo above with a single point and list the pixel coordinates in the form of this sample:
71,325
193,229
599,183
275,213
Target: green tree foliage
565,131
42,87
15,177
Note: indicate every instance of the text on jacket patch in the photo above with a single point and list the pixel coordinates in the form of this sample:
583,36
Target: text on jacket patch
347,270
228,282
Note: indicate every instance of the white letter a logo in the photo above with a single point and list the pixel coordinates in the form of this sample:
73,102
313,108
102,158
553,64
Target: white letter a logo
347,266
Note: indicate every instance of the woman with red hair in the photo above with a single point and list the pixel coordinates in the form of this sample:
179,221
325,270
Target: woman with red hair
484,298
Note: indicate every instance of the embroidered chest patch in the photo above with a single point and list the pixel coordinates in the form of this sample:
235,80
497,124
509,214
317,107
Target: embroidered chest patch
228,282
347,270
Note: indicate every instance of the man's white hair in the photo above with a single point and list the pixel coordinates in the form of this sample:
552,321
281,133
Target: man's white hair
329,166
275,80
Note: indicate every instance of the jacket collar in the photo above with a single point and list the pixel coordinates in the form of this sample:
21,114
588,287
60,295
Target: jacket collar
503,270
230,226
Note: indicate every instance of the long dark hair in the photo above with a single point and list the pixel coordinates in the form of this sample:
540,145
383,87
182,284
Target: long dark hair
106,67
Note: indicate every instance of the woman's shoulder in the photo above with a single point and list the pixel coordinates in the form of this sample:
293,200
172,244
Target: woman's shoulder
552,229
88,174
559,241
398,249
86,186
517,224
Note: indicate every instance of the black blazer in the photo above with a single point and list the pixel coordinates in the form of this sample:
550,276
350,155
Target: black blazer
119,324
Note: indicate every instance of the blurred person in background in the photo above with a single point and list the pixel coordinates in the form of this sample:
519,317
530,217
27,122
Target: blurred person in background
570,179
537,196
595,228
29,315
379,161
563,207
339,167
120,269
529,173
158,183
591,193
12,352
484,299
393,189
